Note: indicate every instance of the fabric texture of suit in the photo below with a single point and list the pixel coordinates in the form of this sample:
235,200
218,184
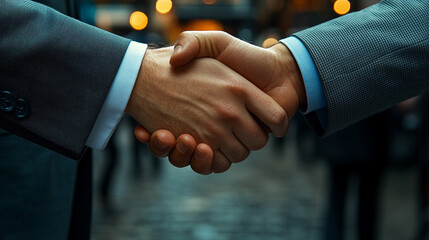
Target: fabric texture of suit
62,67
36,190
370,60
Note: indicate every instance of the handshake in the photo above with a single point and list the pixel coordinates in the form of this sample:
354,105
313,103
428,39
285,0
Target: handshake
213,98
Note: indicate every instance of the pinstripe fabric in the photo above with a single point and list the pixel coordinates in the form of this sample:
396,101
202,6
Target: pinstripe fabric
370,60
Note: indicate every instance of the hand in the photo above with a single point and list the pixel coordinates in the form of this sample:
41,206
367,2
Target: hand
274,70
207,100
182,152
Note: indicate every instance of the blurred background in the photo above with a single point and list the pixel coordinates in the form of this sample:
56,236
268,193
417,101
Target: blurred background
369,181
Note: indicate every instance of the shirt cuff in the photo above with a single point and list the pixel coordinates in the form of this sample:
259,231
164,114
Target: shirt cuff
313,85
116,101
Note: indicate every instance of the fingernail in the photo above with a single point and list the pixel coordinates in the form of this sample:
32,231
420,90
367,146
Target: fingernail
177,49
181,147
198,154
160,145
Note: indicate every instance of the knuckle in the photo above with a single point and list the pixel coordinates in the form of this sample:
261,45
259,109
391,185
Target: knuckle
235,87
224,35
227,111
184,35
278,117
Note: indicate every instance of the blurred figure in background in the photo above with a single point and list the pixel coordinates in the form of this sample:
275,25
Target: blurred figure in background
112,156
359,151
411,146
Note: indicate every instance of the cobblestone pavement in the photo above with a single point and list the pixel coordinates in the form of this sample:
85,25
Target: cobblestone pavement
272,195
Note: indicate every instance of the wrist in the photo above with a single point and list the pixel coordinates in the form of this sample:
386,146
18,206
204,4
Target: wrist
288,70
153,84
135,102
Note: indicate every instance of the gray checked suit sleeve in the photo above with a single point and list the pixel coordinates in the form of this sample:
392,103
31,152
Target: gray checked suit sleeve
61,67
370,60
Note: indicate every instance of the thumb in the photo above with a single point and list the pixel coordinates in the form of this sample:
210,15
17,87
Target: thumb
192,44
252,62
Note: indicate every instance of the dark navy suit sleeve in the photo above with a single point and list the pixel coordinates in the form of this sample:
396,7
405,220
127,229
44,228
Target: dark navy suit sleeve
56,68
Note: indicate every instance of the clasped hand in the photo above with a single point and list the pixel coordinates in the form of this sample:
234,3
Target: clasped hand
213,99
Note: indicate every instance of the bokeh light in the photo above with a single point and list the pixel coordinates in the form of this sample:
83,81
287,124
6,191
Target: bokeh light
269,42
342,7
209,2
204,25
164,6
138,20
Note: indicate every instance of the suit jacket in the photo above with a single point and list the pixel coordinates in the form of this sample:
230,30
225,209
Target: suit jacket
36,190
61,68
370,60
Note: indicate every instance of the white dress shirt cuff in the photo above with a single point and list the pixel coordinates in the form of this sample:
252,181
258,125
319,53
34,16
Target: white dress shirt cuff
313,85
117,99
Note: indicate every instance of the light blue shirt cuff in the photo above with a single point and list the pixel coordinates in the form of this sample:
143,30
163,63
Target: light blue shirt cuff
313,85
116,101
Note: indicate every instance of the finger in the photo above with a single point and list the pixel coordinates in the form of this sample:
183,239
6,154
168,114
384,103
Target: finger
181,155
250,132
220,162
267,110
202,159
192,44
186,48
162,142
141,134
234,150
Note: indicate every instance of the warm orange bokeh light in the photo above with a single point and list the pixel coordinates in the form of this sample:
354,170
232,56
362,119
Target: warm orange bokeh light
209,2
342,7
204,25
164,6
138,20
269,42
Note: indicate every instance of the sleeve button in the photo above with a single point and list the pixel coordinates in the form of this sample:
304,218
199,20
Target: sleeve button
7,101
22,109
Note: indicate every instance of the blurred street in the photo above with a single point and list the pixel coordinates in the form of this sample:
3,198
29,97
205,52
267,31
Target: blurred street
354,71
272,195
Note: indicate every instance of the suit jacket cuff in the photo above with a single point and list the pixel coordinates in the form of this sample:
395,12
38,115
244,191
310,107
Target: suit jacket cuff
117,98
